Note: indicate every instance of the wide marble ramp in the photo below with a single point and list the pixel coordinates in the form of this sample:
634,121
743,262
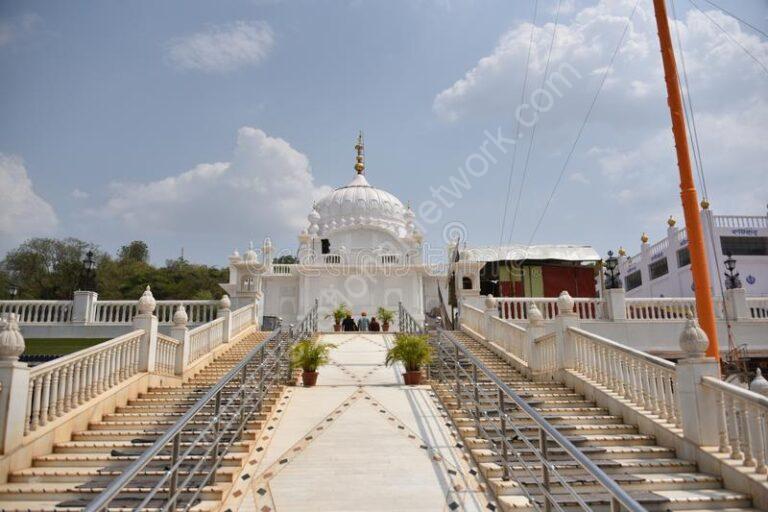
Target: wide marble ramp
359,441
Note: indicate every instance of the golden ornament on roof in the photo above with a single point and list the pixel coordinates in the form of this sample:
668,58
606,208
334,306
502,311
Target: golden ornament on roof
644,238
671,221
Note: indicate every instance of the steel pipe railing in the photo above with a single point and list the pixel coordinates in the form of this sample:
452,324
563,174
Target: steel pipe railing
406,322
488,399
196,452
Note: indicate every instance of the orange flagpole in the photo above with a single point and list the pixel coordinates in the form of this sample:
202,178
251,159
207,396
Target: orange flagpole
699,268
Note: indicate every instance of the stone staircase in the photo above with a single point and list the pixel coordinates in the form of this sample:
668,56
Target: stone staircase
79,469
652,474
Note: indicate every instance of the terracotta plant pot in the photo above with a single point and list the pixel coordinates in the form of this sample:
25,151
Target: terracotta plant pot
309,379
385,327
412,378
337,327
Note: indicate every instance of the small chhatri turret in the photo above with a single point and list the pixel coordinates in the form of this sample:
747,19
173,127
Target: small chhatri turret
360,164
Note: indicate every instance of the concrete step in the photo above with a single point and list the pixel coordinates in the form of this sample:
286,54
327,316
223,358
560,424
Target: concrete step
610,466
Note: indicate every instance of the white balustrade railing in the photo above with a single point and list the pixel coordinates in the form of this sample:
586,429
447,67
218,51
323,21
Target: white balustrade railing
508,336
63,384
516,308
741,221
544,357
38,311
473,318
165,359
281,269
647,381
758,307
205,338
741,421
661,308
123,311
241,319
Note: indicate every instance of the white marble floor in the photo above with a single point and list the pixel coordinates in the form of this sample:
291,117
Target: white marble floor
359,441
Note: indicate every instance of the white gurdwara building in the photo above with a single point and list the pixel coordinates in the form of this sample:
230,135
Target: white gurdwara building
361,247
663,269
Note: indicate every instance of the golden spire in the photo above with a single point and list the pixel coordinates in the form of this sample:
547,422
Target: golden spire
360,164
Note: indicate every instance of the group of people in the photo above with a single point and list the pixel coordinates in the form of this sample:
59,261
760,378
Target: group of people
362,324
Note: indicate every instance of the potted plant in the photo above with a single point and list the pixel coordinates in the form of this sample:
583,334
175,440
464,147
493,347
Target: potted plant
310,355
338,315
413,351
386,316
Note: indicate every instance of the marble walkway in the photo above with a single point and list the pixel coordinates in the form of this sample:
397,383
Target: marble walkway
359,441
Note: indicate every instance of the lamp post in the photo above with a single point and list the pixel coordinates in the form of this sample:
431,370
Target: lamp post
732,280
13,291
611,264
89,273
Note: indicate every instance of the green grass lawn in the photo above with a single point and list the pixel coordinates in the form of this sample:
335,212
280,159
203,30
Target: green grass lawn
58,346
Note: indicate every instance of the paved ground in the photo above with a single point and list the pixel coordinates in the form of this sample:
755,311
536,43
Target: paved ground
359,441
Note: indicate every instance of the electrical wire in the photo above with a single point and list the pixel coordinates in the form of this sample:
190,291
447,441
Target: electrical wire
517,127
729,13
730,37
584,122
533,130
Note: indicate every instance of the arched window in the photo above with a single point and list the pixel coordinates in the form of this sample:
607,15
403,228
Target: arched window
466,283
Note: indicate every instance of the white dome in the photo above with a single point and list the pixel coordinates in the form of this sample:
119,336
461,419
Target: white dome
358,203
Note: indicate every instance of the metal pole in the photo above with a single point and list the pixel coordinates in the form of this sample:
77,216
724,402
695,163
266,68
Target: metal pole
175,473
476,388
699,267
544,467
503,427
458,379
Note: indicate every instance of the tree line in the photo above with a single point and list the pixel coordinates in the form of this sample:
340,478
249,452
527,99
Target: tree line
49,268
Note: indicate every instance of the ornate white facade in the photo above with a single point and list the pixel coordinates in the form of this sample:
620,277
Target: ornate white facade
360,247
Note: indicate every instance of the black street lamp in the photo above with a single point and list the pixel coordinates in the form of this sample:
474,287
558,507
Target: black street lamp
13,290
732,280
611,265
88,282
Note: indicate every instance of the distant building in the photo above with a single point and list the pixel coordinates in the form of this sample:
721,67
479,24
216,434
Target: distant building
664,268
537,270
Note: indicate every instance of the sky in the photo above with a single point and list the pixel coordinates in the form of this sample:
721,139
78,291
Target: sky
203,126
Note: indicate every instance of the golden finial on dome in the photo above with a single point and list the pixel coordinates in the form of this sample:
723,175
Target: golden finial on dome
644,238
622,252
360,164
705,204
671,221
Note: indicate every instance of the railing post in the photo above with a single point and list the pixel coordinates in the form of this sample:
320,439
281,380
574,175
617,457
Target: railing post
615,301
736,307
255,312
180,332
84,307
565,318
697,404
535,329
225,311
147,322
14,385
491,310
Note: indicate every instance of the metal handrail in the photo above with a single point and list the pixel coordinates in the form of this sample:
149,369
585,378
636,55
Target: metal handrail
406,321
246,399
619,497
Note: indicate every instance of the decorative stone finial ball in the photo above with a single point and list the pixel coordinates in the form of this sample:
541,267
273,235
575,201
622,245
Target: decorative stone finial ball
565,303
267,244
644,238
180,317
671,221
534,314
147,302
490,302
224,302
693,340
760,384
11,340
705,204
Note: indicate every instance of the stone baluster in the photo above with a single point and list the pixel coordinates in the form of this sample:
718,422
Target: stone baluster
695,401
565,319
535,330
147,322
225,311
759,426
14,385
180,332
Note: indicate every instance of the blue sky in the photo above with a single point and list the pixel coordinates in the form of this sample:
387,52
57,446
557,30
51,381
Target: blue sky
205,125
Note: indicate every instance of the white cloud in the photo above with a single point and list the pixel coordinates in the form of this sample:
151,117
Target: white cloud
267,187
22,212
222,48
13,29
79,194
578,177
